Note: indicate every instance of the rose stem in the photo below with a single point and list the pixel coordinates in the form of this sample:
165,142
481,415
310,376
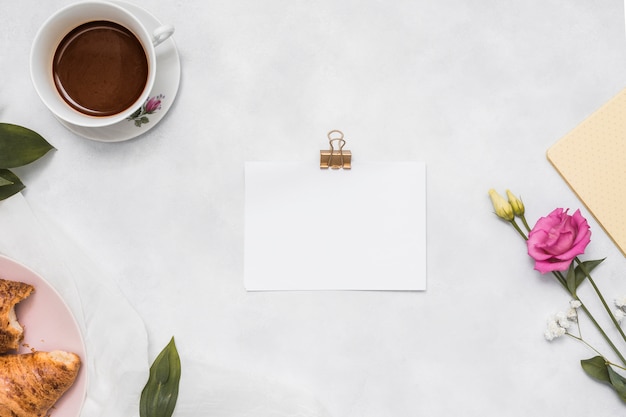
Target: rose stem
606,307
563,283
562,280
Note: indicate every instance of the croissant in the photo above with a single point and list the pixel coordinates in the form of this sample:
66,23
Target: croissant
31,383
11,332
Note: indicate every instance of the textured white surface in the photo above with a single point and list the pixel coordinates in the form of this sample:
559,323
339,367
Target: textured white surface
477,90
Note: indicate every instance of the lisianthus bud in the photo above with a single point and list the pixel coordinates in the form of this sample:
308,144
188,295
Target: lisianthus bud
516,204
503,208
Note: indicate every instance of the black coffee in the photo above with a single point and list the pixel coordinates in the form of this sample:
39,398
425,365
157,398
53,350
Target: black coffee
100,68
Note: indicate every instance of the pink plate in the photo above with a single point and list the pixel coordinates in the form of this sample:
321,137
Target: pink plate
49,325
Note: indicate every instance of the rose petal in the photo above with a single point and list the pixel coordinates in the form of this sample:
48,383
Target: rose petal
547,266
562,243
557,239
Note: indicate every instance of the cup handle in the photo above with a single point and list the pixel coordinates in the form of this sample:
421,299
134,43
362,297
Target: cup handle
161,34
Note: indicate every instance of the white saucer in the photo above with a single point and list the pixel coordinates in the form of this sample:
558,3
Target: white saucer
165,89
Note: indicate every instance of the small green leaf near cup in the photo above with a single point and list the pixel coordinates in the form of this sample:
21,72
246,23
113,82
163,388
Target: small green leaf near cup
9,184
19,146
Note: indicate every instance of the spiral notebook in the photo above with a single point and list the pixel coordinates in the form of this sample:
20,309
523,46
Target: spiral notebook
591,159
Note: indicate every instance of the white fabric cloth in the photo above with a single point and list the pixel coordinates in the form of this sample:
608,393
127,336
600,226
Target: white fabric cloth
115,336
207,390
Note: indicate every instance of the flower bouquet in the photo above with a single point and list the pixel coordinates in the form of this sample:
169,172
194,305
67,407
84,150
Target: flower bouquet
555,244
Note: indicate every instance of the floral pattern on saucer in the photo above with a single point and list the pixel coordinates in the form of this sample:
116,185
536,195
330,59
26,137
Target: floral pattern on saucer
151,105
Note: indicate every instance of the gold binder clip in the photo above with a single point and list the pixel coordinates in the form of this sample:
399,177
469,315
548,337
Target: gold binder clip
334,158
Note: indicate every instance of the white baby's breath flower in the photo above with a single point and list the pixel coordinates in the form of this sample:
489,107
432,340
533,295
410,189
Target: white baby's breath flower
561,319
553,332
619,315
555,329
620,301
575,304
572,315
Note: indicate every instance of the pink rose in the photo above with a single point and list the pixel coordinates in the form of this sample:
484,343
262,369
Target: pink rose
153,104
557,239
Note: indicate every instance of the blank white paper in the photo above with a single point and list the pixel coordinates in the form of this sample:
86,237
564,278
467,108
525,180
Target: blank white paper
313,229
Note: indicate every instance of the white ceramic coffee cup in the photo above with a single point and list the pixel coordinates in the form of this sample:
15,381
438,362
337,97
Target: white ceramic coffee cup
60,24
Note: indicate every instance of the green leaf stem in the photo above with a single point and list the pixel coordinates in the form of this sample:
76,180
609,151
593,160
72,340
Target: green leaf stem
9,184
571,281
158,398
20,146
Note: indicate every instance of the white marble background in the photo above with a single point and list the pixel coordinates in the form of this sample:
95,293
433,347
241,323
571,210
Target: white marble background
478,90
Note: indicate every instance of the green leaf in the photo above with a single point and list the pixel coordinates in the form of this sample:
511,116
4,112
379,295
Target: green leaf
570,279
618,382
14,186
596,367
158,398
585,266
20,146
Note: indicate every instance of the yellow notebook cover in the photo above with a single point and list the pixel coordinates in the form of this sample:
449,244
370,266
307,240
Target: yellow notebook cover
592,160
